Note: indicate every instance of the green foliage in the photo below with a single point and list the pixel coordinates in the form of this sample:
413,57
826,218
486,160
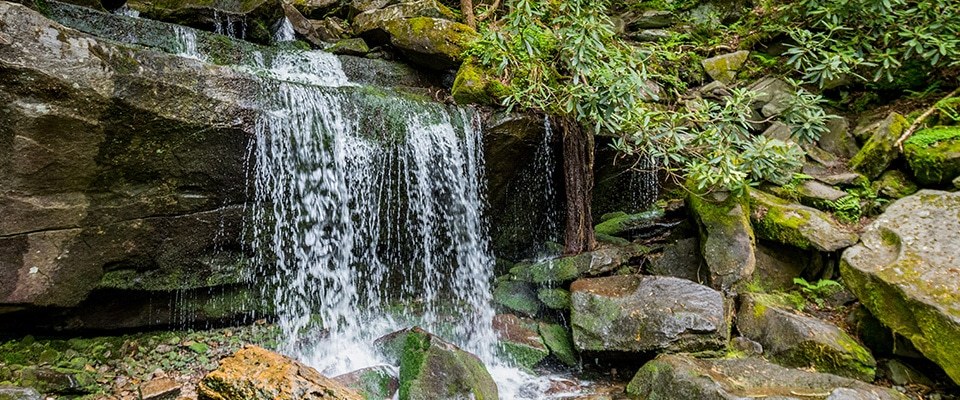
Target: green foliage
819,290
847,208
867,39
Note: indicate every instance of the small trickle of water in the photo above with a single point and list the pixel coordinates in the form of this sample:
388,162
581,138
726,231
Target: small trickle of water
227,24
187,43
284,31
126,11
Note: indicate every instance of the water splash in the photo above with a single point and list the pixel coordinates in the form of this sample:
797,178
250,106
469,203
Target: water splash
126,11
186,40
284,31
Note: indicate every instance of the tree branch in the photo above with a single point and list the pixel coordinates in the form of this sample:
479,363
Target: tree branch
919,121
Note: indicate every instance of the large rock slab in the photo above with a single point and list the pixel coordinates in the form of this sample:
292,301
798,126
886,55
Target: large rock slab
431,42
431,368
796,340
636,313
727,241
905,272
797,225
254,373
684,377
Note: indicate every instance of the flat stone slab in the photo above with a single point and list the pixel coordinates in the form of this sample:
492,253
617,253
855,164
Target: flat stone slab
634,313
906,271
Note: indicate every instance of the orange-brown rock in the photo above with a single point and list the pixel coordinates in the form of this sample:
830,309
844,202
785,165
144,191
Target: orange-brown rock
256,373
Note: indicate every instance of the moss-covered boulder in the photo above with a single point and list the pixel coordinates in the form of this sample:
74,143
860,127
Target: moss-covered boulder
680,259
254,373
684,377
724,67
837,139
905,273
566,269
557,338
517,296
431,368
475,84
253,20
803,227
934,155
350,47
625,225
430,42
894,184
518,341
881,149
634,313
375,15
554,298
726,238
377,382
801,341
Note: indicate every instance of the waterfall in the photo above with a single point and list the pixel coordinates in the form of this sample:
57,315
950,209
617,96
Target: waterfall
368,212
186,40
284,31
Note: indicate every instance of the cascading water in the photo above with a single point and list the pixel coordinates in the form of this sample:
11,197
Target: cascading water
284,31
187,43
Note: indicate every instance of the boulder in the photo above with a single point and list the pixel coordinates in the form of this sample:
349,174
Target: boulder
557,338
934,155
626,225
778,265
330,29
803,227
431,368
19,393
726,237
818,194
554,298
517,296
372,21
650,19
518,340
253,20
837,139
894,184
800,341
430,42
905,272
881,149
377,382
680,259
684,377
475,84
350,47
316,9
303,26
566,269
635,313
254,373
773,95
724,67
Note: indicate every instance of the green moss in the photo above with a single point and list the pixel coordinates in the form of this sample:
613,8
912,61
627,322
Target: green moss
555,298
517,296
557,338
475,84
880,150
933,154
522,355
412,360
554,271
894,184
621,224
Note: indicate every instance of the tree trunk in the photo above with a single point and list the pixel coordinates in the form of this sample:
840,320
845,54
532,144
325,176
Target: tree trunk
466,7
578,179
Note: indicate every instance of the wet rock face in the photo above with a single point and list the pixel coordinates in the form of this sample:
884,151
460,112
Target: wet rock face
727,241
107,166
253,20
254,373
905,272
636,313
796,225
685,377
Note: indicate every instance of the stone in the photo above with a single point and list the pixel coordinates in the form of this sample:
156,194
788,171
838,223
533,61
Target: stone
566,269
55,380
431,368
773,95
517,296
746,346
780,131
680,259
558,339
726,238
837,139
881,149
817,194
778,220
635,313
652,19
350,47
801,341
672,376
627,225
377,382
934,155
160,389
894,184
554,298
373,21
778,265
903,374
905,272
724,67
518,341
251,20
650,35
316,9
301,25
19,393
256,373
431,42
330,29
475,84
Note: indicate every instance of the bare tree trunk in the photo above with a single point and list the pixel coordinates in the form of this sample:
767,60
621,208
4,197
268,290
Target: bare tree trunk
578,179
466,7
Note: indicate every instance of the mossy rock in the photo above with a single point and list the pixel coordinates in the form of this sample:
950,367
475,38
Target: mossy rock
475,84
796,340
431,42
881,149
377,382
934,155
517,296
350,47
904,273
727,241
518,341
724,67
566,269
625,224
803,227
894,184
555,298
560,342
